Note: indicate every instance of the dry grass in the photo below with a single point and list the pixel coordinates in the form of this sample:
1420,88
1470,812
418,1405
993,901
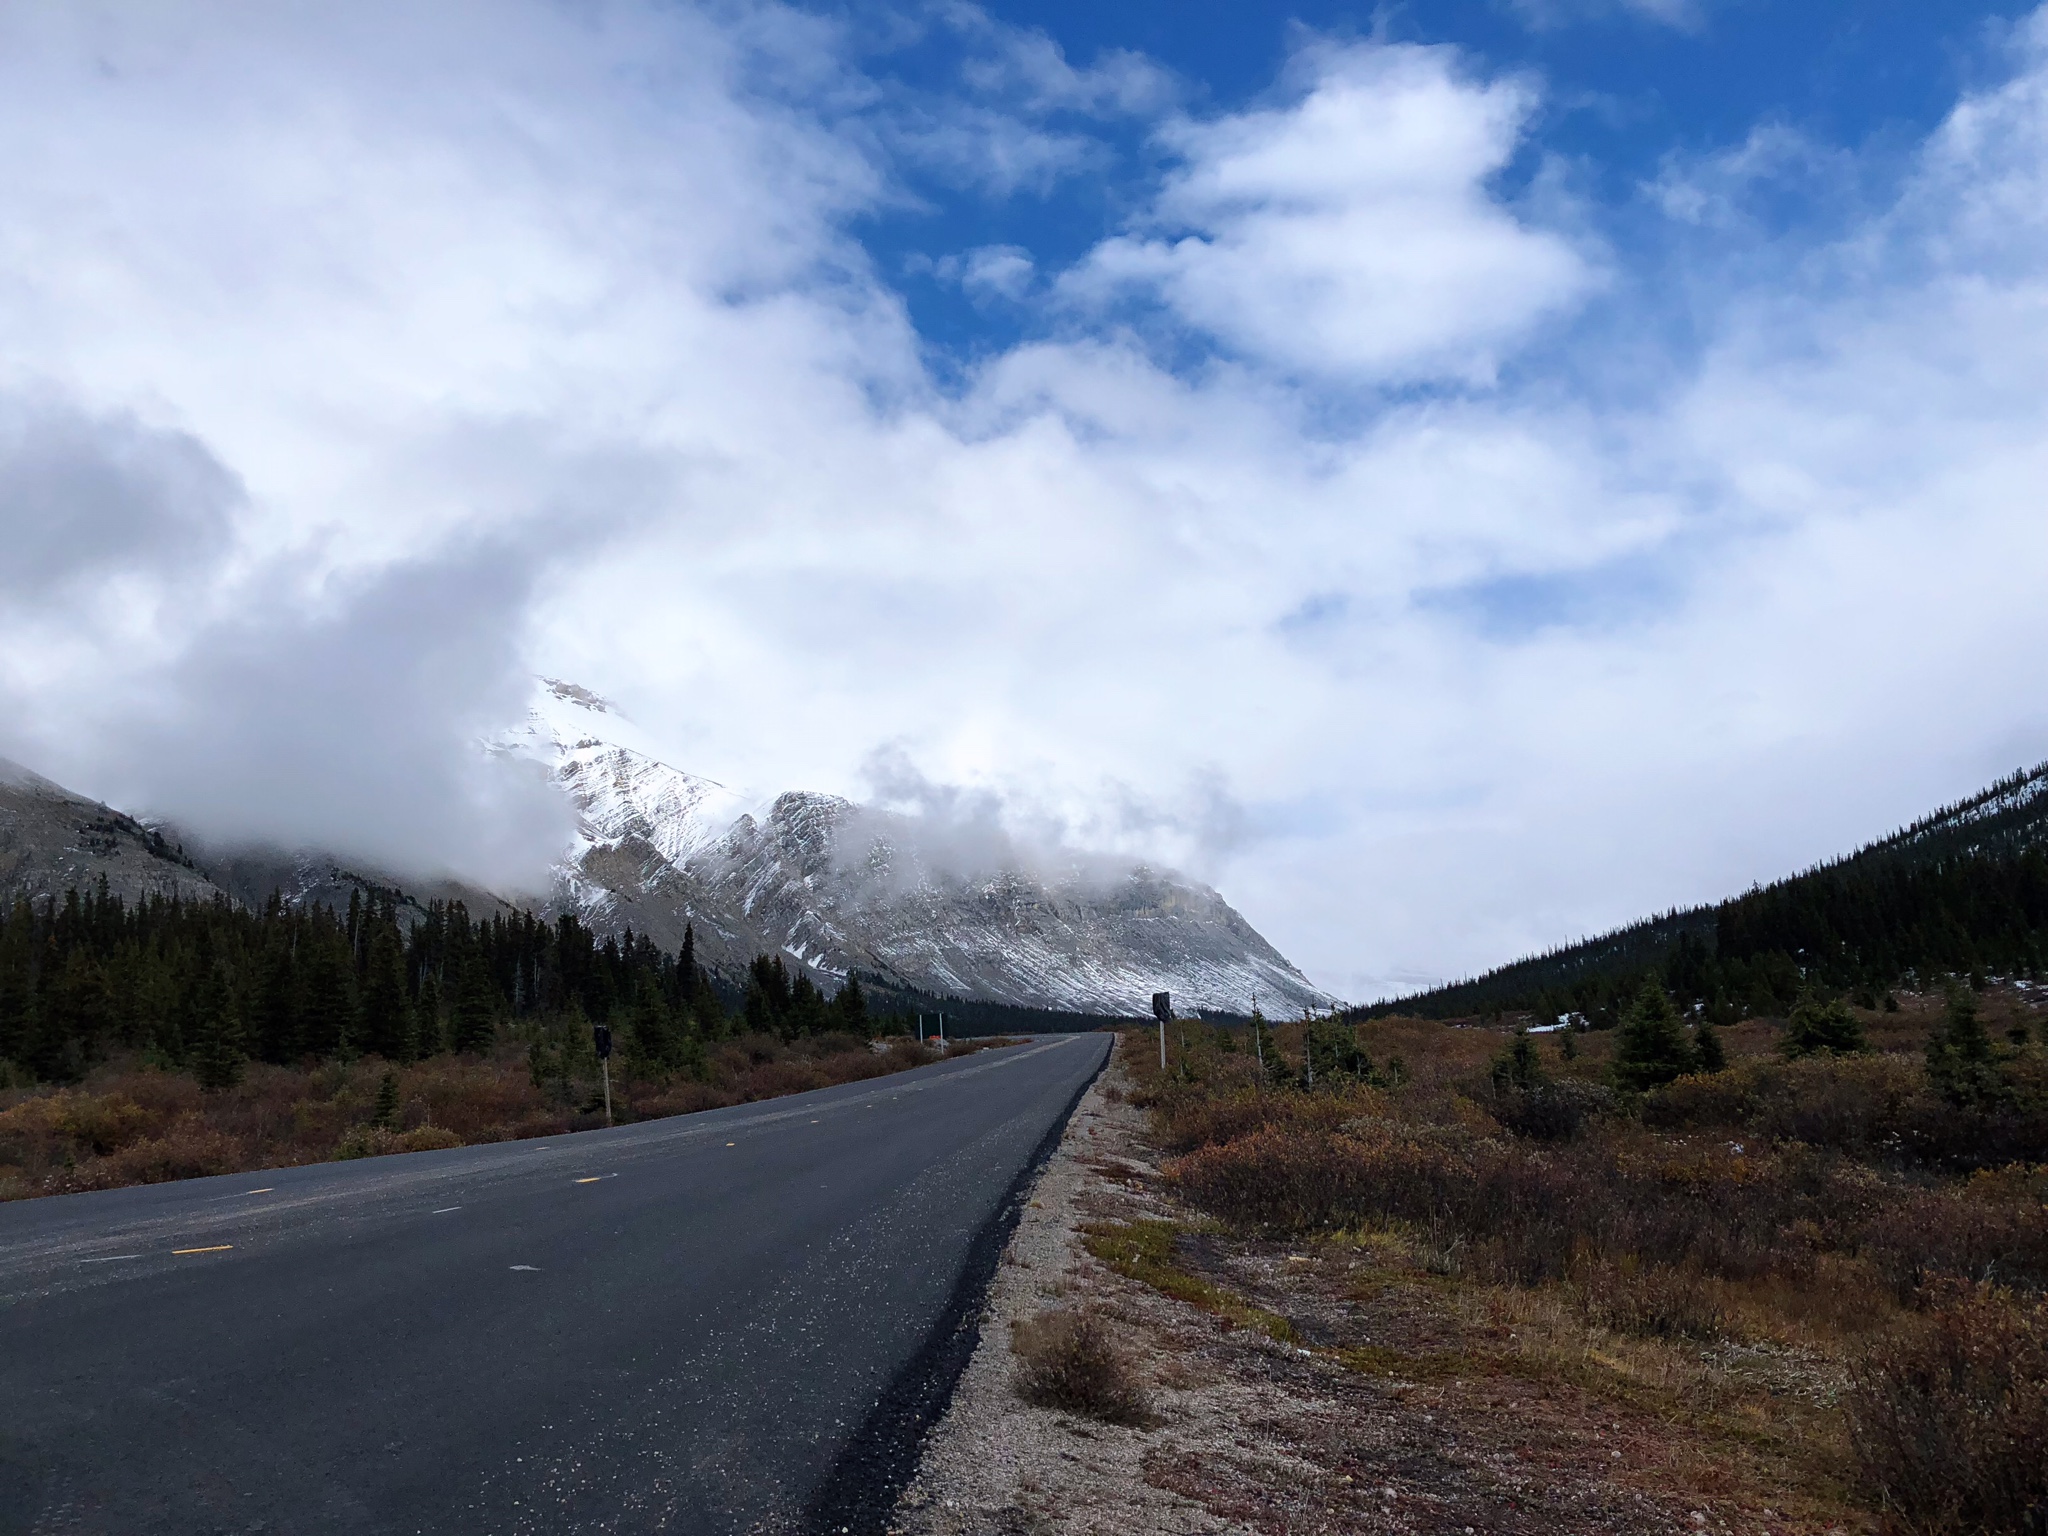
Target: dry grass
1073,1361
131,1124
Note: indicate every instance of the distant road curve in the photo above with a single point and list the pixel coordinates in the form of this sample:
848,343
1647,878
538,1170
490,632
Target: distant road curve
723,1322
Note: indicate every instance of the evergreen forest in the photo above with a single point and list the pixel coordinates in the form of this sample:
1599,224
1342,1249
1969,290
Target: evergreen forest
206,987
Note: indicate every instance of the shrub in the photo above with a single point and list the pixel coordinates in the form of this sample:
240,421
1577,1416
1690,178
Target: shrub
1982,1234
1949,1421
1072,1362
1550,1111
380,1141
188,1150
1190,1121
1650,1301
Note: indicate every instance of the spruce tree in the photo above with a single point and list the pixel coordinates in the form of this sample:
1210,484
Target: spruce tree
1651,1048
807,1015
1822,1027
653,1027
328,1019
1518,1066
277,1001
1709,1055
850,1008
1960,1062
428,1036
386,1028
17,980
218,1050
385,1113
472,1022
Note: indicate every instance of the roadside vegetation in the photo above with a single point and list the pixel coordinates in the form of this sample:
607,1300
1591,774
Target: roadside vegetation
170,1040
1802,1264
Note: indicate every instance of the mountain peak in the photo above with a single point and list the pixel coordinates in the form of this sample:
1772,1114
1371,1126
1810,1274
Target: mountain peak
842,887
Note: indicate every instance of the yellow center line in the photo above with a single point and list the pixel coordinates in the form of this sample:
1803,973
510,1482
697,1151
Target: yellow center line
217,1248
732,1143
591,1180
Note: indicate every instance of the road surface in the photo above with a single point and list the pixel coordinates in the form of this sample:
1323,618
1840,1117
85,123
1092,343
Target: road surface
732,1321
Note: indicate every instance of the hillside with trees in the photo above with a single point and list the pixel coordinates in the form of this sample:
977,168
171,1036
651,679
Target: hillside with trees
1963,892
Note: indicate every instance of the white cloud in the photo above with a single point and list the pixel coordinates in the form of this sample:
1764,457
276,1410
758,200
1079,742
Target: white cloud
568,364
989,272
1351,232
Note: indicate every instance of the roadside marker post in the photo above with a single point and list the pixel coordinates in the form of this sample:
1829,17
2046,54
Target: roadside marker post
601,1037
1162,1010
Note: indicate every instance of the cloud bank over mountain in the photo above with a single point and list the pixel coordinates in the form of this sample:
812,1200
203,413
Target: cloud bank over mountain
1369,519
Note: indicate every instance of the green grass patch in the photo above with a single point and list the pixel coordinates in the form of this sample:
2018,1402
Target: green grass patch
1143,1251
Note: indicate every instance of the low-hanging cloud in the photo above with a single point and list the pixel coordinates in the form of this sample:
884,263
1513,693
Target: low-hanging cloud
88,498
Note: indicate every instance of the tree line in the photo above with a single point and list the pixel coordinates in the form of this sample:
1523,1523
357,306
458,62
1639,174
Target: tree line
207,986
1860,927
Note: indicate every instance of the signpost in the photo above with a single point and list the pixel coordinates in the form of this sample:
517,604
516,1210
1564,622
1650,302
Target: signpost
601,1037
1162,1010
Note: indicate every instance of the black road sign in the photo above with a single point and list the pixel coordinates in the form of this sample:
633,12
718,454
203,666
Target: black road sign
601,1035
1162,1006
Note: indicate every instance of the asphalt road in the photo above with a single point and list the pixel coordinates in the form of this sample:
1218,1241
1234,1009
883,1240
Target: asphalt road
729,1321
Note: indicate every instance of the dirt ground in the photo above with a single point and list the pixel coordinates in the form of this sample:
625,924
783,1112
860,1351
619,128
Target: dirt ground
1336,1388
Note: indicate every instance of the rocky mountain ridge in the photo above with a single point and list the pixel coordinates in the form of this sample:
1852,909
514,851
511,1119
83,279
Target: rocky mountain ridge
837,888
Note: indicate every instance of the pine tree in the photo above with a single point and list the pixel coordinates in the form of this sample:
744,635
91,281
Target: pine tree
1709,1055
1651,1048
686,970
653,1027
386,1028
385,1114
328,1019
218,1051
1960,1062
277,999
473,1019
428,1037
850,1008
1822,1028
17,981
1518,1066
1266,1049
769,996
807,1015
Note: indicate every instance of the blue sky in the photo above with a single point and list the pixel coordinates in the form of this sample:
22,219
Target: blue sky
1629,88
1456,477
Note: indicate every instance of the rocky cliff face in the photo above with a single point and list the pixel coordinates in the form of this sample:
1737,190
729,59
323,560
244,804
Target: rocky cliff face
52,841
839,887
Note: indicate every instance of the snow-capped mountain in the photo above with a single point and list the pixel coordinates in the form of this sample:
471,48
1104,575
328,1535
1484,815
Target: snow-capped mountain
839,887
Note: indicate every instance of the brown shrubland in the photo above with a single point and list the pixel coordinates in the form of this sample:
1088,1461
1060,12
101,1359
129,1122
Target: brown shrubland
128,1123
1838,1206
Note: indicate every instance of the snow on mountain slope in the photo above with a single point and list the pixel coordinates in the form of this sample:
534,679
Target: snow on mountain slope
838,887
620,793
